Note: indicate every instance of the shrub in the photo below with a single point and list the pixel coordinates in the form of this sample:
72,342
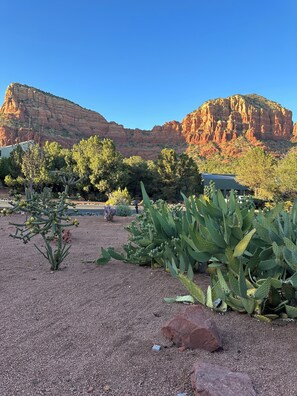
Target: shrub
123,210
119,197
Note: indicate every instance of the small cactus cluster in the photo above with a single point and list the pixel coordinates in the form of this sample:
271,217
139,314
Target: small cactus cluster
109,213
47,217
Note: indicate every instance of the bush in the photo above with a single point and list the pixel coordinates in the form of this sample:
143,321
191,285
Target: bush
123,210
119,197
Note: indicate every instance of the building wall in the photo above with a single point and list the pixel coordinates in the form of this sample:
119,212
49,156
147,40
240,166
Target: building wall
6,150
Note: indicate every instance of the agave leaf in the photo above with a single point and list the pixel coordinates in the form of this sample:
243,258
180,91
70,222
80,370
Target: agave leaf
293,280
290,245
275,282
105,258
248,220
145,197
115,255
209,303
242,283
222,203
263,318
288,291
190,272
227,231
237,233
233,282
291,311
182,299
182,263
215,233
222,281
249,304
192,288
201,257
242,245
267,265
262,231
263,290
266,253
235,304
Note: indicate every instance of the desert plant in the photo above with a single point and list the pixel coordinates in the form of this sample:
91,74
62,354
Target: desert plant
109,213
123,210
119,197
45,217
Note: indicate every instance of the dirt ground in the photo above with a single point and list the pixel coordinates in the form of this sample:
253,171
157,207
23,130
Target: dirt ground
89,330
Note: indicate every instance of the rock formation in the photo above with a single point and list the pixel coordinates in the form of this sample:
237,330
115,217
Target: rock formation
252,116
29,113
295,132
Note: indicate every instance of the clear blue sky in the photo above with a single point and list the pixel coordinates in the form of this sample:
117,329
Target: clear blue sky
144,62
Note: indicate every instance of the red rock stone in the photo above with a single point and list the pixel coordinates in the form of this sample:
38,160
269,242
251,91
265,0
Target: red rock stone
211,380
29,113
222,120
193,328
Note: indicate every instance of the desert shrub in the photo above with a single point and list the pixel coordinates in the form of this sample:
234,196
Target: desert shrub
123,210
109,213
48,218
119,197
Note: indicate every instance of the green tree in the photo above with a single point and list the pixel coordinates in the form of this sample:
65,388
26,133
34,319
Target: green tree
257,170
35,168
177,173
54,155
139,170
101,164
286,174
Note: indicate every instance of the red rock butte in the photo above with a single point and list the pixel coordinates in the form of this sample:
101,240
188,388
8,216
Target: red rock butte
29,113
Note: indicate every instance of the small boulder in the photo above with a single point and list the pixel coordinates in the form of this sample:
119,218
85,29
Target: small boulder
193,328
211,380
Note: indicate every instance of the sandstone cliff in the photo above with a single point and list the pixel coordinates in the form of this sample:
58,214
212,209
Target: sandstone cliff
29,113
252,116
295,132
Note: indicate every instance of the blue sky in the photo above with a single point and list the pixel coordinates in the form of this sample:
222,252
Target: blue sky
144,62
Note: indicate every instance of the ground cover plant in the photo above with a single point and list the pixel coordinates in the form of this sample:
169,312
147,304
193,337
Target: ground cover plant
251,256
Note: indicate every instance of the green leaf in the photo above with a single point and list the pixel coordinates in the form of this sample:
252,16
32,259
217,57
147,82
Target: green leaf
209,303
105,257
192,288
293,280
291,311
249,304
242,245
263,290
190,272
222,281
115,255
182,299
242,283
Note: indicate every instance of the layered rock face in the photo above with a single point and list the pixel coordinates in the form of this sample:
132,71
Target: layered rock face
295,132
222,120
28,113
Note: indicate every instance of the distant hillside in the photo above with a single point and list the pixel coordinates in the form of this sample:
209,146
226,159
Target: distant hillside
29,113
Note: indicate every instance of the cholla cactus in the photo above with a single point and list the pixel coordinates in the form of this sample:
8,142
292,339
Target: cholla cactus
46,217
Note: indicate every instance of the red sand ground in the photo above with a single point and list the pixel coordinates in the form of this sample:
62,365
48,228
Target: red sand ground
89,330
